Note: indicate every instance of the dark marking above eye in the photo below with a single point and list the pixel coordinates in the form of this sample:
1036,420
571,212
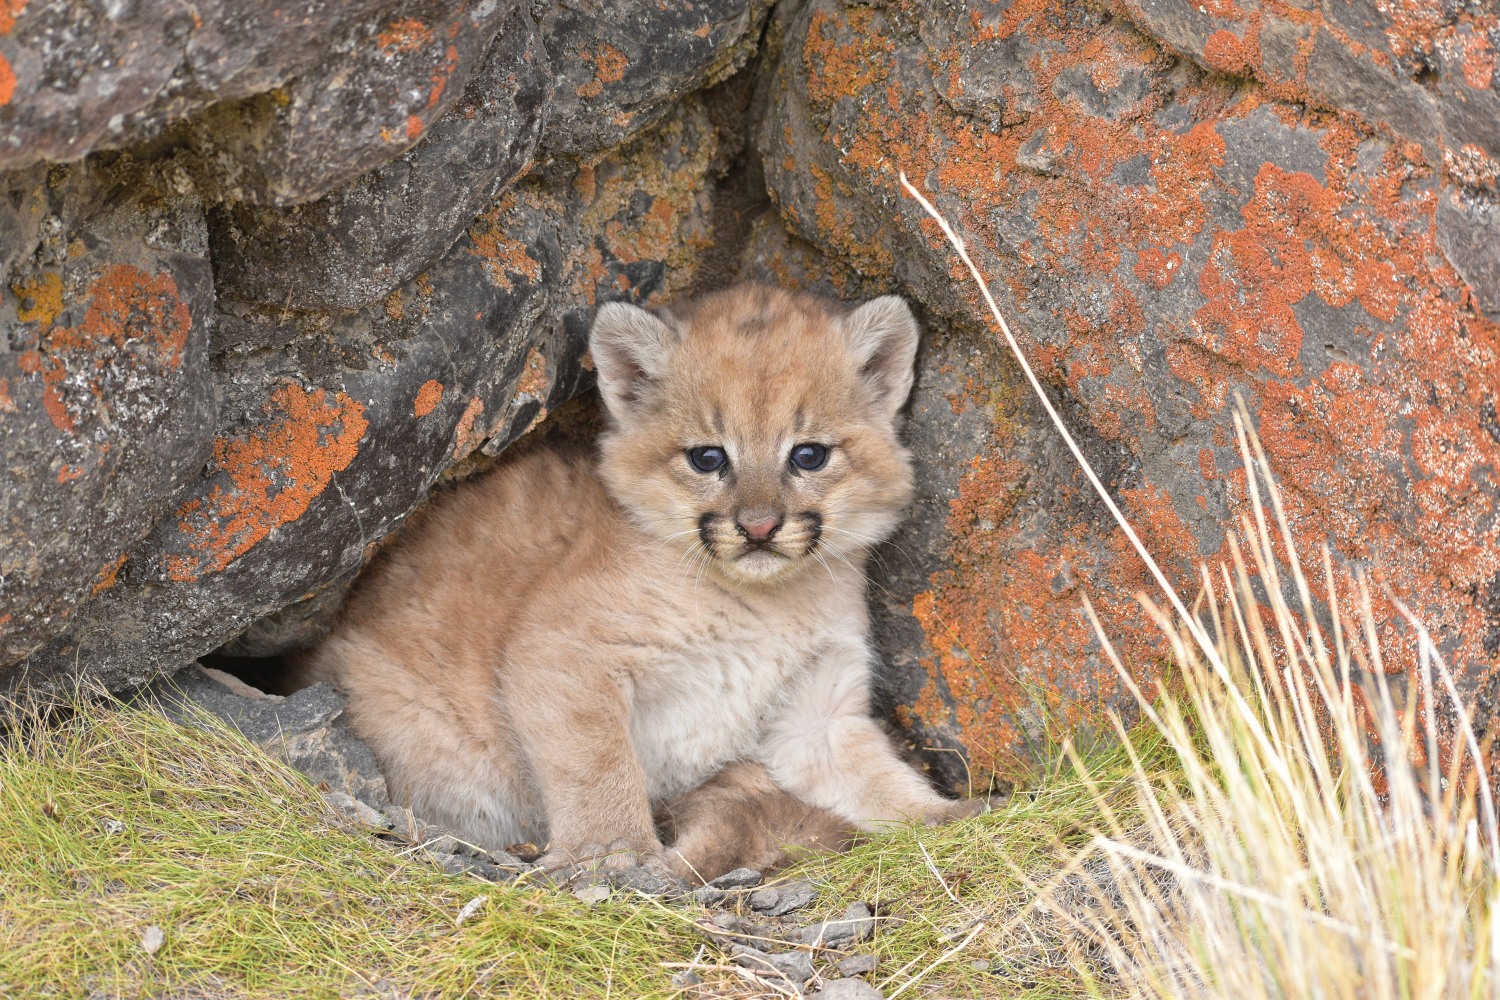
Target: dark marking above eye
808,456
709,458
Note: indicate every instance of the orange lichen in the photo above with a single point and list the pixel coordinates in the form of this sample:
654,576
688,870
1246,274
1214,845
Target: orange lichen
1226,52
39,299
393,306
131,314
428,397
534,381
7,81
10,10
1479,61
108,576
413,127
440,77
503,256
468,435
404,35
266,476
609,67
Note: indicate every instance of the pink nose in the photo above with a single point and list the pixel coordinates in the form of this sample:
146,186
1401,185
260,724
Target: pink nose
761,528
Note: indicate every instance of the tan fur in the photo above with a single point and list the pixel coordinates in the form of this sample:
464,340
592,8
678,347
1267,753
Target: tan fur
740,818
559,644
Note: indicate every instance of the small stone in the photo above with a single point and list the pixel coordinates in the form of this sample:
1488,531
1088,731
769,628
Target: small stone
980,965
765,899
457,864
444,844
649,881
848,989
857,965
792,965
685,978
152,938
857,924
592,894
775,901
707,895
740,878
468,910
111,826
355,811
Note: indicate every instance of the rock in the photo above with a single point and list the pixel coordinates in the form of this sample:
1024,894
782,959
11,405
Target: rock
360,242
685,978
621,63
291,100
707,895
359,813
592,894
1162,236
740,878
857,965
152,938
775,901
648,880
848,989
857,924
795,966
307,730
106,404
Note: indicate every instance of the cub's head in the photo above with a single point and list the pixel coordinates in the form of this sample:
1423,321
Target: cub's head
756,428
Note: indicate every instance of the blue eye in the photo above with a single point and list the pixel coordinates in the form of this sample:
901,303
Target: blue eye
709,459
809,457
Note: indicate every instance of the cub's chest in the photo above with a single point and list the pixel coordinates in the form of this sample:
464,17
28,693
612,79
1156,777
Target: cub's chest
706,697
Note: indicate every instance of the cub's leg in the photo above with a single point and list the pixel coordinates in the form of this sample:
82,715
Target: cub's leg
574,730
826,749
739,818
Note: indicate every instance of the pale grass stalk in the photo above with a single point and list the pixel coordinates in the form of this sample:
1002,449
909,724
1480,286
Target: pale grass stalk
1302,850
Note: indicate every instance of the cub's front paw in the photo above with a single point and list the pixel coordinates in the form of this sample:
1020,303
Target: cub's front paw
951,809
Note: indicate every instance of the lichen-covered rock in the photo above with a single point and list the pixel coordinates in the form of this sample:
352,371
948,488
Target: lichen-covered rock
335,425
1165,237
358,243
620,64
305,96
106,406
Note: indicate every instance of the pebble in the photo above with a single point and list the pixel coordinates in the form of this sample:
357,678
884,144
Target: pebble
793,965
857,965
707,895
152,938
848,989
359,812
857,924
775,901
469,909
592,894
685,978
648,881
740,878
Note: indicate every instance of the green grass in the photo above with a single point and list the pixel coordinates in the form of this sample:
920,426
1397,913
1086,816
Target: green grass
117,820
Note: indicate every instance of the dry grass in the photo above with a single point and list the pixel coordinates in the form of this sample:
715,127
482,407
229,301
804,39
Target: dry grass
1312,837
1316,839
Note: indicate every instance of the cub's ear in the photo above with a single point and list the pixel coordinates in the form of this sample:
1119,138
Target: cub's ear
882,336
630,347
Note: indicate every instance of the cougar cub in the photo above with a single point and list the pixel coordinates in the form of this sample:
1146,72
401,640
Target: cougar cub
558,646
